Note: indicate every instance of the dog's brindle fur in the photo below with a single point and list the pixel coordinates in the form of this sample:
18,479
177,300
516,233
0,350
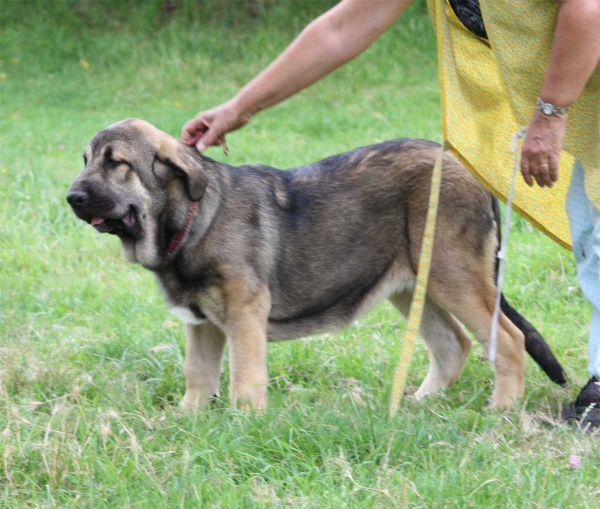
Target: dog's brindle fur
274,255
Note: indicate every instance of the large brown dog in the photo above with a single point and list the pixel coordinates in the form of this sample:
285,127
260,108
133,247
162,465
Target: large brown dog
252,254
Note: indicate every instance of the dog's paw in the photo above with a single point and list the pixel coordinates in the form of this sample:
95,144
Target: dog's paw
430,387
197,401
256,405
494,404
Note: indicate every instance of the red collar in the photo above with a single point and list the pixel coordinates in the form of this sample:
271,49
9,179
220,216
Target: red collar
175,241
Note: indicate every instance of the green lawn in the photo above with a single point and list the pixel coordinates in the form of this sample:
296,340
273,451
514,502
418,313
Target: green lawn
91,361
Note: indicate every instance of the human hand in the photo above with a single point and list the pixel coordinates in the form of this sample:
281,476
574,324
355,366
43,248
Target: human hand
208,128
541,149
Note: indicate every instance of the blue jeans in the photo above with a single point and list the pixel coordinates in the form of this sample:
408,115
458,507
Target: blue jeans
584,220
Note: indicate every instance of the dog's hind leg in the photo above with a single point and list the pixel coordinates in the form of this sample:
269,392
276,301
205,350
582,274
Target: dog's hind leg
447,342
203,353
470,298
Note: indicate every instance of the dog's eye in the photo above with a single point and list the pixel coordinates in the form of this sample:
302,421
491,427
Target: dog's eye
108,155
110,161
113,163
84,160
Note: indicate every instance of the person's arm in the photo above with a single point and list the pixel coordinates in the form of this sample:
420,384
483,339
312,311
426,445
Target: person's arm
331,40
575,55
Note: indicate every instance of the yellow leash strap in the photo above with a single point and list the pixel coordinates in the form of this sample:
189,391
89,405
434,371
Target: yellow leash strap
417,304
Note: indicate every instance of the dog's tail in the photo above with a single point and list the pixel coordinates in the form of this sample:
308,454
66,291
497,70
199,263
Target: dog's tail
535,345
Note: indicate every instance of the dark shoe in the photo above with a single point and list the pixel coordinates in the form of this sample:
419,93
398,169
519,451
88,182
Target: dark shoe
584,413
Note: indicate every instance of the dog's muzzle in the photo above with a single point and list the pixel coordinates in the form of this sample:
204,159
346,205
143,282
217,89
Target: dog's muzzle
104,213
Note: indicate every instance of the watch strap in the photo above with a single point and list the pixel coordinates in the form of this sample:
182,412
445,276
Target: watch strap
549,109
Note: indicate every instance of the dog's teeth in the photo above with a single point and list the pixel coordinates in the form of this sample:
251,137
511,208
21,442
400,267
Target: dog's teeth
97,220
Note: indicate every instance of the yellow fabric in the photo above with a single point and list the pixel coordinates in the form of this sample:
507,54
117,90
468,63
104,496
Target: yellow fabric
417,304
489,91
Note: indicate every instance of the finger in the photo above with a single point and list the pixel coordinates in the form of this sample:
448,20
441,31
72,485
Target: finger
544,173
548,173
537,171
553,170
525,170
200,146
193,131
539,179
211,137
219,141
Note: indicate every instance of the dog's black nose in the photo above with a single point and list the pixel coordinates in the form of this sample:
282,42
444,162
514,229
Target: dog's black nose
77,198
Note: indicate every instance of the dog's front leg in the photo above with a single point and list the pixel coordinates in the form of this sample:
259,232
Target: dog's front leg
247,338
203,353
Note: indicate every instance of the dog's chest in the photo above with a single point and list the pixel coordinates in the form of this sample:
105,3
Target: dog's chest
184,305
188,315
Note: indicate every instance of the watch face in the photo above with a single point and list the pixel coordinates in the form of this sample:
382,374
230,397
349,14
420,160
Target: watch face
547,109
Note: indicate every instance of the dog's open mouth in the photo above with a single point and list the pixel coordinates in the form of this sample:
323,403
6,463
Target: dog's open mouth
127,225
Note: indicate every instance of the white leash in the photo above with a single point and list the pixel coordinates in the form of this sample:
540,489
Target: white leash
515,147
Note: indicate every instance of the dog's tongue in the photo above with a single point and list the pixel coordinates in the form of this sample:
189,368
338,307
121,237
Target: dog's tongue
97,220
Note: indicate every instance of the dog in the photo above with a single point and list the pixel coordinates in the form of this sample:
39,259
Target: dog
251,254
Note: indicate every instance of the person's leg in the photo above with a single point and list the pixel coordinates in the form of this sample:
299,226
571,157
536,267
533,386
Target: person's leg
584,220
594,367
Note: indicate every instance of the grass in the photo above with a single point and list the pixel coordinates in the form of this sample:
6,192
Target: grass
91,361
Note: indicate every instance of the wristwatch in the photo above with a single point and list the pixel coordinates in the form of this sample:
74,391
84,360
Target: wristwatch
549,109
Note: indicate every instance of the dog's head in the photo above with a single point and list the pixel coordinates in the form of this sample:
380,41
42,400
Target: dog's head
131,169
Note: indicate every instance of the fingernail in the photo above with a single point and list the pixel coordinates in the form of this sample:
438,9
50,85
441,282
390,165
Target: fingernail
200,146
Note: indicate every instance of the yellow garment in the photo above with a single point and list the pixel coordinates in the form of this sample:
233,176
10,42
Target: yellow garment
489,90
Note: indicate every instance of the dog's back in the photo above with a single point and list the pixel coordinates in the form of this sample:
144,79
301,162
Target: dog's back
348,224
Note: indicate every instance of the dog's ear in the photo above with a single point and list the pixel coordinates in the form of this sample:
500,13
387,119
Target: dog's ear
174,154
